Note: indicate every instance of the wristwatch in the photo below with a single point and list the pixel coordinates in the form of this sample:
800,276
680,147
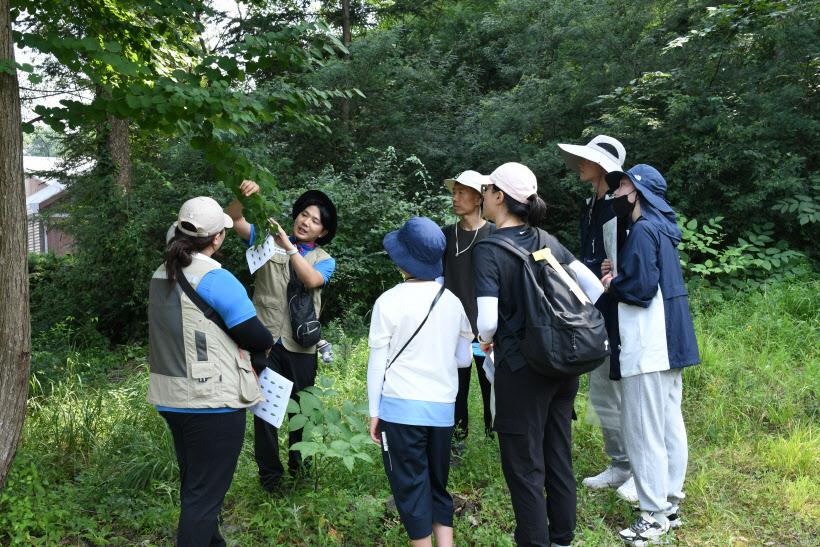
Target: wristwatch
292,251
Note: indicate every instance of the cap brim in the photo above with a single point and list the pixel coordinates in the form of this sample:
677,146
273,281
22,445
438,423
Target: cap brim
228,222
572,154
451,183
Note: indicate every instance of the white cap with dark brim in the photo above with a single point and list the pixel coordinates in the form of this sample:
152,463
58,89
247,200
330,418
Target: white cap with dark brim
605,151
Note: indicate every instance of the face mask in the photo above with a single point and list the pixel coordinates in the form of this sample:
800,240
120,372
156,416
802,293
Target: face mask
621,206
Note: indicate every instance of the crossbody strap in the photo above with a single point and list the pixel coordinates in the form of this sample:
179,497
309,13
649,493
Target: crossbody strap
433,305
210,313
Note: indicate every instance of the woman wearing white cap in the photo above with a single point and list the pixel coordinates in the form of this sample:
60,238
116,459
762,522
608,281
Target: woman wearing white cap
199,316
592,162
533,413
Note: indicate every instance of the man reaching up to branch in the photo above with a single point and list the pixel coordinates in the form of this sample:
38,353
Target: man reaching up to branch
314,225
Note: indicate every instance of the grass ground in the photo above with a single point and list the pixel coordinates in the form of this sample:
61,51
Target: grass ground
97,465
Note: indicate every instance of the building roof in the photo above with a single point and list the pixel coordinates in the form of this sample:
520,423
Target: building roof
33,202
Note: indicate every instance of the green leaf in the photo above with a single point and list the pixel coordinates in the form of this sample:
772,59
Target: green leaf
333,416
297,422
293,407
308,448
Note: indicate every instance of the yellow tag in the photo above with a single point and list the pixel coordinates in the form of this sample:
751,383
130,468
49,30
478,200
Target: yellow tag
542,254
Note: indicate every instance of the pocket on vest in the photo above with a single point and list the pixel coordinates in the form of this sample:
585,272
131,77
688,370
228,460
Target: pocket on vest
203,377
249,389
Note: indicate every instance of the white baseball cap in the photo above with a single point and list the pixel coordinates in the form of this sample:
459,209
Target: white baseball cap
607,152
473,179
205,215
517,181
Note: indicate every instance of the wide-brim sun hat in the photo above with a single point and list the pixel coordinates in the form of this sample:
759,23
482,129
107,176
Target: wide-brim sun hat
202,217
647,180
318,198
517,181
417,248
605,151
471,179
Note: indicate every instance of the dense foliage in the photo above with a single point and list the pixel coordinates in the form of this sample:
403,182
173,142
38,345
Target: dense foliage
97,464
723,100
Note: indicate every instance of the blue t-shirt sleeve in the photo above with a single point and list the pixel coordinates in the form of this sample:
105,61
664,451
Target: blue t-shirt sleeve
224,293
326,268
252,236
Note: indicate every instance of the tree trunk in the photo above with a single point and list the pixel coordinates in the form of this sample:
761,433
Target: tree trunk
346,27
119,146
346,56
15,326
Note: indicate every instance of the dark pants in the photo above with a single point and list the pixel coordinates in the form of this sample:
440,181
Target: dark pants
299,368
417,464
461,416
533,421
207,447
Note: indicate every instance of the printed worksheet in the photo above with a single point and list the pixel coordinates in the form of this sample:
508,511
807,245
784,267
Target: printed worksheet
257,256
276,389
611,244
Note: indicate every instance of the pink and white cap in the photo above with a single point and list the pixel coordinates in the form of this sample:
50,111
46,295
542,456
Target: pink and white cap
517,181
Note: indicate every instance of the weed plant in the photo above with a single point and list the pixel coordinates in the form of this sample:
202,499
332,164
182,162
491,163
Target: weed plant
97,464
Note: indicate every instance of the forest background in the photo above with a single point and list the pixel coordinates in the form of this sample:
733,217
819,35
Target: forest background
380,106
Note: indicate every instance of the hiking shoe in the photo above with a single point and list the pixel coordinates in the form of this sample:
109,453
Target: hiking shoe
611,477
627,491
674,519
646,531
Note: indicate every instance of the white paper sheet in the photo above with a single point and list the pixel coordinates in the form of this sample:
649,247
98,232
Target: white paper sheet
489,365
257,256
276,389
611,244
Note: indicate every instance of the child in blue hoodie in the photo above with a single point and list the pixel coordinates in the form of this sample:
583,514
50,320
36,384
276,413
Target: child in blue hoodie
657,342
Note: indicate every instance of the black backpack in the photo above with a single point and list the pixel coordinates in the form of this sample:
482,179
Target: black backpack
306,328
562,336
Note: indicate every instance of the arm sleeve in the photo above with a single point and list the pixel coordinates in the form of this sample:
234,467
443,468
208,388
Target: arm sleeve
252,335
487,322
224,293
464,353
588,281
326,267
639,274
376,367
252,237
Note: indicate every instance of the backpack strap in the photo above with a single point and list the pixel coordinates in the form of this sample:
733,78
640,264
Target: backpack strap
544,253
210,313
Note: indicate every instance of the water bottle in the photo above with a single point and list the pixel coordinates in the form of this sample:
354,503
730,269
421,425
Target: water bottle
325,350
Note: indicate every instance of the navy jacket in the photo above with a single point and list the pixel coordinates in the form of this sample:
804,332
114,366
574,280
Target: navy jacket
648,260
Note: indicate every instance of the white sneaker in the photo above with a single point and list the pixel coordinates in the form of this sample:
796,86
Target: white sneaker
627,491
646,531
675,520
611,477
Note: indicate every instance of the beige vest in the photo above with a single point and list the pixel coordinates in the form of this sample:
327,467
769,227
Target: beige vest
271,297
193,362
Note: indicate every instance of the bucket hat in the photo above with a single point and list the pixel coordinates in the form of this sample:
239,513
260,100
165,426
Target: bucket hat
473,179
417,247
648,181
517,181
326,207
607,152
205,215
